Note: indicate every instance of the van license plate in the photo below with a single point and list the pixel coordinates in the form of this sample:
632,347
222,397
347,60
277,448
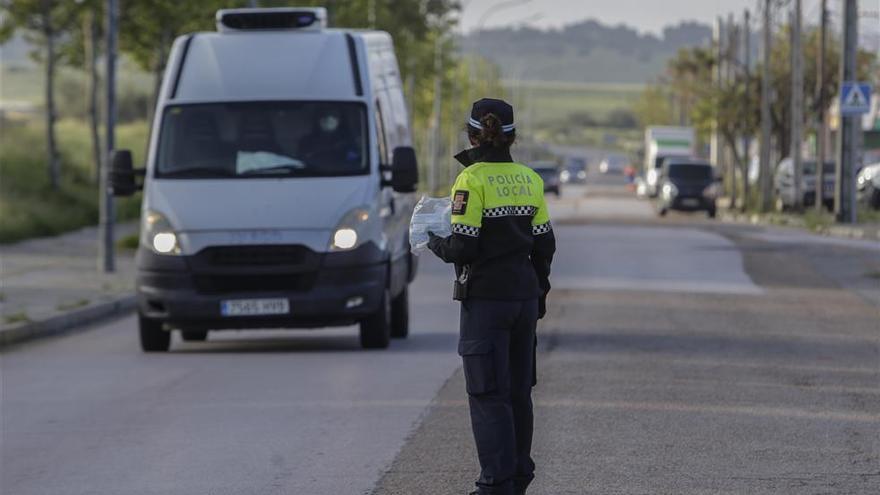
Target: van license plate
250,307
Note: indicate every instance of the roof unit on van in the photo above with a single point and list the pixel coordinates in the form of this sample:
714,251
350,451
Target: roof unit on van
272,19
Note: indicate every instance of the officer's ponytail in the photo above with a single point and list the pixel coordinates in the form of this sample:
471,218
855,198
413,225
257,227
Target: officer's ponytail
492,132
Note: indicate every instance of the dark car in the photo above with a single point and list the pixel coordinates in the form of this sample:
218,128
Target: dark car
687,186
549,173
574,171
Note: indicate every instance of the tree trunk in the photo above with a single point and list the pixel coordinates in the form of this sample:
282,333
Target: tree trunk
54,167
90,33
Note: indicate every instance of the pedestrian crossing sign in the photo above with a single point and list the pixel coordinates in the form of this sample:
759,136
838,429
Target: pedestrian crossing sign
855,98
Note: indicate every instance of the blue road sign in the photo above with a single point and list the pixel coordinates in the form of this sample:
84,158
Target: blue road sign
855,98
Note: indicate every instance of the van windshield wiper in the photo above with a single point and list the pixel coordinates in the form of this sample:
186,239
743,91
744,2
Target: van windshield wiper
288,168
198,172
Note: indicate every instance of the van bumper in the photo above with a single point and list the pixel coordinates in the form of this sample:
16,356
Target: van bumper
172,289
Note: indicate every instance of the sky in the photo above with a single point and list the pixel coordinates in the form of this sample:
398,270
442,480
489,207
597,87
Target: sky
647,16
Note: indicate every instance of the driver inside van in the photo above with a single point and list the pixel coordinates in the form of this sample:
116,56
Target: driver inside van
329,143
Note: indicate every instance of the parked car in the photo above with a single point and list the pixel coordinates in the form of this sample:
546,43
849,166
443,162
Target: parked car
549,173
868,185
277,195
613,164
783,184
574,171
687,185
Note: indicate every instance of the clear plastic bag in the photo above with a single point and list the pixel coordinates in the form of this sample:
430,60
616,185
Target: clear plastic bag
429,215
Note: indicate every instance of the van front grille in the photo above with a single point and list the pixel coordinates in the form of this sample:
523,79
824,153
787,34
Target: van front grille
261,255
223,284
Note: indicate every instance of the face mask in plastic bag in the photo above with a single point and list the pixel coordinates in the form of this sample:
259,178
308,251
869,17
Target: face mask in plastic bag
430,215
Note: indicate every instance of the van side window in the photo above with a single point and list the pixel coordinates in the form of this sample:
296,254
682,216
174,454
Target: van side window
381,139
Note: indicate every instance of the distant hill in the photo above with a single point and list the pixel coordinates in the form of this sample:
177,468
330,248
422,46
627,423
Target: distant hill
587,51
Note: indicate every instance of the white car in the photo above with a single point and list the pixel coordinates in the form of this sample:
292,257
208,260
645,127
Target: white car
783,183
279,182
868,185
613,164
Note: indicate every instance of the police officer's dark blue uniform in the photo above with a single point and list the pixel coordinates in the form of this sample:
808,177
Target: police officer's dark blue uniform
502,246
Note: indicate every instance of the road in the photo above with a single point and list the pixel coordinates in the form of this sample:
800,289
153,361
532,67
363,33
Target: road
678,356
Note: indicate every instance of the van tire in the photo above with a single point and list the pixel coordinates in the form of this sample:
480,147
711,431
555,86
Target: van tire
194,335
400,315
376,328
154,338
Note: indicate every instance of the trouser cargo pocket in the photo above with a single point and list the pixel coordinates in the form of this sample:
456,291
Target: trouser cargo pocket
479,366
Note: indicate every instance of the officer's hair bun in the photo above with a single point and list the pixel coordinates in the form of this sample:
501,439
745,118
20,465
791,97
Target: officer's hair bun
492,132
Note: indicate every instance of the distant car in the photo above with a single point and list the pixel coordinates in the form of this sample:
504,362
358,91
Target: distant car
652,175
550,174
613,164
687,186
574,171
783,184
868,185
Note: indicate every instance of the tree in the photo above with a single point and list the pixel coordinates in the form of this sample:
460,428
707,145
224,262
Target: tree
735,114
81,49
44,23
147,28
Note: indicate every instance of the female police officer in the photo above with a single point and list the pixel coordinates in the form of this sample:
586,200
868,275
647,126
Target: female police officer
502,246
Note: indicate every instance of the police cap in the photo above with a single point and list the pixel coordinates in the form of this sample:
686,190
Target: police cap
500,108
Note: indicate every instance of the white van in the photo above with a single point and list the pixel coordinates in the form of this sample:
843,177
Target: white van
279,182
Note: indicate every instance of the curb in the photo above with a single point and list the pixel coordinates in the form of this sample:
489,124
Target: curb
66,322
839,231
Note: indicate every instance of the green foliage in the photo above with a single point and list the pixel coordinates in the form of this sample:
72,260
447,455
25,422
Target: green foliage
41,20
699,102
28,205
129,242
652,106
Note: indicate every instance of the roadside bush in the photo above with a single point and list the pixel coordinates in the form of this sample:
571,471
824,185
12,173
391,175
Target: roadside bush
621,119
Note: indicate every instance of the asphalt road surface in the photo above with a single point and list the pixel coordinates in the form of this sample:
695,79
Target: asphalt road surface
679,356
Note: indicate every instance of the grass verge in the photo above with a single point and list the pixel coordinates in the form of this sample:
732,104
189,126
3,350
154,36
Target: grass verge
29,207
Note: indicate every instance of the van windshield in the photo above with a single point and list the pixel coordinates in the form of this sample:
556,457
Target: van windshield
690,171
263,139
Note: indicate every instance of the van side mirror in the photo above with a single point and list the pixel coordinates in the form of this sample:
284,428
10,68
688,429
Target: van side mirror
404,170
122,174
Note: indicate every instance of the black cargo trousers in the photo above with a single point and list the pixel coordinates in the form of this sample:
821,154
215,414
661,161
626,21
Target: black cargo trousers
497,346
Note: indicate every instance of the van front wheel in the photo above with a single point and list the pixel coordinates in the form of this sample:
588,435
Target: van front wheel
376,328
400,315
154,338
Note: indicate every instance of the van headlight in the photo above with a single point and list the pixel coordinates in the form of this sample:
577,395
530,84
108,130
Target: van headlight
710,191
351,230
157,234
669,190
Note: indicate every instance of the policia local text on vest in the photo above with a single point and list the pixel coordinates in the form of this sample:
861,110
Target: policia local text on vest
502,246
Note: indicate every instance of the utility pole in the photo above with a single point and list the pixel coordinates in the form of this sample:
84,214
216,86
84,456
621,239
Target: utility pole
765,110
797,105
715,154
105,200
732,61
821,131
747,62
435,122
844,201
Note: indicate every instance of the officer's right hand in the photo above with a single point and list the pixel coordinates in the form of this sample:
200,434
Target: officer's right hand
542,306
